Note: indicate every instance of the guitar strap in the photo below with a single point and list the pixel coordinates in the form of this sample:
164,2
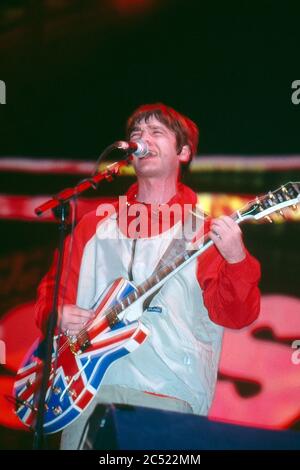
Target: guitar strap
177,246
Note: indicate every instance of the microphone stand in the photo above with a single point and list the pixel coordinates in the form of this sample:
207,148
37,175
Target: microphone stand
60,205
61,212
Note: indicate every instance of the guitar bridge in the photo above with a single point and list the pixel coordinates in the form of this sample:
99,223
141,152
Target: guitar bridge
79,344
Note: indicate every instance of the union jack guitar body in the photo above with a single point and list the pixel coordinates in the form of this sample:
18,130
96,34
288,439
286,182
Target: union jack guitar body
80,362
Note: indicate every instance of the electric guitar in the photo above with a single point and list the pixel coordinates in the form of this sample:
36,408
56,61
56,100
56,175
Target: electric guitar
79,362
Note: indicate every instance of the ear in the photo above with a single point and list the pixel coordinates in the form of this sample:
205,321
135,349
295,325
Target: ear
185,154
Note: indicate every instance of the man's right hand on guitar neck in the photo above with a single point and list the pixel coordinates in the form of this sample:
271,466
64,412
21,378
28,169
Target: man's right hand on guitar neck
72,319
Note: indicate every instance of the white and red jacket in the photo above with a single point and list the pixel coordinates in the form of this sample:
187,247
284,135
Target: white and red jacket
186,317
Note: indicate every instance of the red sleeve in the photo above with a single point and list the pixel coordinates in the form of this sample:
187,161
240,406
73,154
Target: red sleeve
230,291
70,273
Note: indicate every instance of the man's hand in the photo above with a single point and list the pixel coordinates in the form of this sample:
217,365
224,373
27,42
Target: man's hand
227,236
72,318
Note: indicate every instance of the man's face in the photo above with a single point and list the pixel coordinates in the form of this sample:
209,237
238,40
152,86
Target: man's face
163,160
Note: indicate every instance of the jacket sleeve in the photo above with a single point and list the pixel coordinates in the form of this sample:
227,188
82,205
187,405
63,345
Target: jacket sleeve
73,251
230,291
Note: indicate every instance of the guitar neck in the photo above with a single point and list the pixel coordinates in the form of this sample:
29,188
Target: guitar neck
179,262
162,275
283,197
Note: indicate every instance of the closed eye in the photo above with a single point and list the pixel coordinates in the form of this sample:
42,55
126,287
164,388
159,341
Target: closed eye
135,135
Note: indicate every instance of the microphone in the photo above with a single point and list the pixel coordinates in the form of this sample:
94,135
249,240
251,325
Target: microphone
139,148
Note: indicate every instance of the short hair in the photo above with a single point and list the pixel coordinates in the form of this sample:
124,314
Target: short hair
185,130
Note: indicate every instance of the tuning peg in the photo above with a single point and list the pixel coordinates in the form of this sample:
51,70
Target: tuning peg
258,202
268,219
282,214
285,193
294,207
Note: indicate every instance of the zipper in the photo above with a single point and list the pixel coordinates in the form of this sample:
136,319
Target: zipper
130,276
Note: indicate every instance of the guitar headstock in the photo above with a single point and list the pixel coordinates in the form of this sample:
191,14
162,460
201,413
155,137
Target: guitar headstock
275,201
